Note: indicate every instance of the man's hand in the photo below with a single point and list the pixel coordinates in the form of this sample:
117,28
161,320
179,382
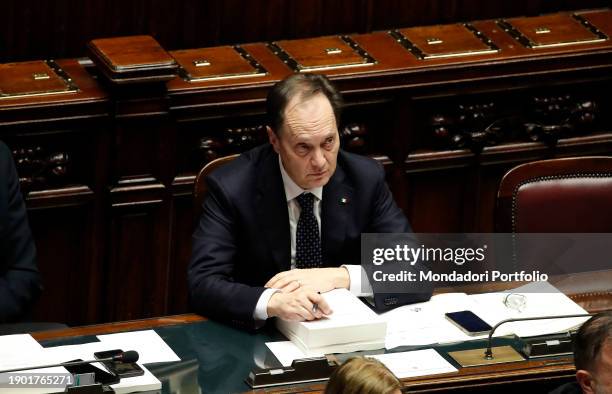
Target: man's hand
298,305
318,279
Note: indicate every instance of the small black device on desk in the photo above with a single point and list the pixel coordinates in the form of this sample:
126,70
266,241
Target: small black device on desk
549,345
301,371
469,322
121,369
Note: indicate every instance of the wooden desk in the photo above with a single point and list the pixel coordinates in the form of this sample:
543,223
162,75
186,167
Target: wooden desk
541,375
109,328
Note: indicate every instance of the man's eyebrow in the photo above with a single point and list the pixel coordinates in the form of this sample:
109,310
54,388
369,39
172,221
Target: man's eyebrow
302,140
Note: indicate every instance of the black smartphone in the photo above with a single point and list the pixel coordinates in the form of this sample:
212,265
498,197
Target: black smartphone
469,322
122,370
100,376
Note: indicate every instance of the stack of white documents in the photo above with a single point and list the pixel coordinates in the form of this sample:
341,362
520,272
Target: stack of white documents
351,327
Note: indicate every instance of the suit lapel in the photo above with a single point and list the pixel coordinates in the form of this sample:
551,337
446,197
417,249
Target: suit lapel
271,207
335,210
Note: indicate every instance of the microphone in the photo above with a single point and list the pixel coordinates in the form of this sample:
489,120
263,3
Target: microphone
488,354
475,357
130,356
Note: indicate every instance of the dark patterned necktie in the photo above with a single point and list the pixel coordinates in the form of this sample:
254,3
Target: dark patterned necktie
308,242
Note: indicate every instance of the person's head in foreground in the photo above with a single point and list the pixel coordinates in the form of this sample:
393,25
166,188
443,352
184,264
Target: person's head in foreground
593,355
360,375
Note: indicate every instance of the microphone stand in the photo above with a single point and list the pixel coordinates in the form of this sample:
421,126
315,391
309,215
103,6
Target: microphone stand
475,357
488,354
66,364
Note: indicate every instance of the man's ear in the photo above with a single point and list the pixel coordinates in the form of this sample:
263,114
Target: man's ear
273,138
585,380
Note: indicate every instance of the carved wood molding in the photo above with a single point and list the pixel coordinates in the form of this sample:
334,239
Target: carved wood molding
547,119
39,169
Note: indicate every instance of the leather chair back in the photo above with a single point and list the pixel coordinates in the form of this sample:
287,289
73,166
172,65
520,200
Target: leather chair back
200,188
568,195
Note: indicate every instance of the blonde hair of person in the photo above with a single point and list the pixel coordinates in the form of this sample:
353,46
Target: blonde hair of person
360,375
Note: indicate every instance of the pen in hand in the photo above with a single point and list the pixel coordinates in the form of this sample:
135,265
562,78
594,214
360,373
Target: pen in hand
315,306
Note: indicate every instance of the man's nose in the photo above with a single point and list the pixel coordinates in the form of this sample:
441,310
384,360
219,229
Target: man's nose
318,159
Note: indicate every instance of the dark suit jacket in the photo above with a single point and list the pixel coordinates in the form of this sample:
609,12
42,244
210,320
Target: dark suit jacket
19,278
567,388
243,237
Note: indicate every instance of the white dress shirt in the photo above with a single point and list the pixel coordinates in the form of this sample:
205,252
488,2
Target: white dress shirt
292,190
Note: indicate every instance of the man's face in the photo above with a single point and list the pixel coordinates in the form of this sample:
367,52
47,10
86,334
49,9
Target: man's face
308,142
599,381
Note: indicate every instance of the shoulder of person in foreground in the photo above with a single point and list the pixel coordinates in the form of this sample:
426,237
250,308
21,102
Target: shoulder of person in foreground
20,282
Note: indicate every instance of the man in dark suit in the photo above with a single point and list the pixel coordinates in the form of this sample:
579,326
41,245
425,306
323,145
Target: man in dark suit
283,222
20,282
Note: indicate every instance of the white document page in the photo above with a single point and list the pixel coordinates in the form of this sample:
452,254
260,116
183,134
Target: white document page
21,351
424,323
541,299
150,346
85,351
18,343
415,363
287,351
347,310
145,382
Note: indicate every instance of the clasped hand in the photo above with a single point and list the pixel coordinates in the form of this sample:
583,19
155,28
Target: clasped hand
300,291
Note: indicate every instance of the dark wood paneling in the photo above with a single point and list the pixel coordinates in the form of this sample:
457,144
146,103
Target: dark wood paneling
393,13
71,277
438,200
62,161
56,29
182,215
137,282
112,203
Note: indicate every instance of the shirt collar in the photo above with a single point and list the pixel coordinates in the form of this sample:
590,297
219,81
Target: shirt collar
292,190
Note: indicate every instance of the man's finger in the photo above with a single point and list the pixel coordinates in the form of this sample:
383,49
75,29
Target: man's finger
290,316
290,287
322,305
308,313
303,313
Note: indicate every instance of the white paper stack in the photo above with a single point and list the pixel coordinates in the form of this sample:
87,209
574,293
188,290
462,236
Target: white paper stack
351,327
